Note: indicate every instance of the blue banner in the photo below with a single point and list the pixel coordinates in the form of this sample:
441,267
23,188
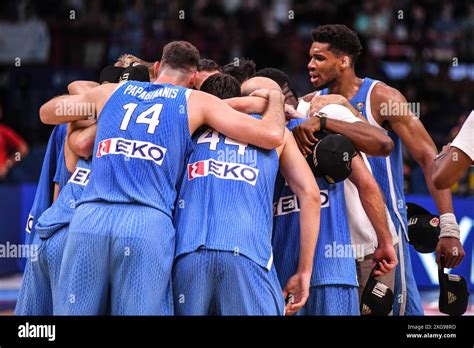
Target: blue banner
16,202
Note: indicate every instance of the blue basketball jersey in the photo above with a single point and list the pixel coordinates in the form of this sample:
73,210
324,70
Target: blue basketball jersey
60,213
62,173
334,258
45,188
225,199
388,171
141,144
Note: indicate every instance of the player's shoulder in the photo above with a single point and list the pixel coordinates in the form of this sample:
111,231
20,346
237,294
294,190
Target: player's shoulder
382,91
200,98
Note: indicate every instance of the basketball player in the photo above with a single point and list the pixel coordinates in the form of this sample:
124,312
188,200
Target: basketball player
40,284
241,68
122,233
334,285
39,288
283,81
206,68
333,54
44,197
224,221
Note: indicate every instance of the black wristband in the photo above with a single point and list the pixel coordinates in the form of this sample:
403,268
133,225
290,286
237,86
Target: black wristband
322,121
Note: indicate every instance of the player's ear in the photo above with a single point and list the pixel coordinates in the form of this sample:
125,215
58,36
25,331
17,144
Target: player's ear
345,62
156,67
192,81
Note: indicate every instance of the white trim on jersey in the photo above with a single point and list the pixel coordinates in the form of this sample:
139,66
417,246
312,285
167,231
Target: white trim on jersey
270,262
392,196
401,261
368,109
187,93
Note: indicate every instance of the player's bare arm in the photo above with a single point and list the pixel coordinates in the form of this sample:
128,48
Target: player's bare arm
81,86
69,108
266,133
449,166
366,138
422,148
55,191
374,206
301,181
248,105
81,137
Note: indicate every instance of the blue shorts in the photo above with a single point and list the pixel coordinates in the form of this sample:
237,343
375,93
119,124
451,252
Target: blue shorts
326,300
405,284
213,282
40,280
117,259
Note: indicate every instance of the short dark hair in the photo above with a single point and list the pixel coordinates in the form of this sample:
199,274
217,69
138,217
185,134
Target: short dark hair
208,65
242,69
222,86
340,38
274,74
180,55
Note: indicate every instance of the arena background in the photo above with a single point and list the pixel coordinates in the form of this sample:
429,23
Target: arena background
423,48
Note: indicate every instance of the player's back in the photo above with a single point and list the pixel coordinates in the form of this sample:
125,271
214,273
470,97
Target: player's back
61,211
225,198
334,256
141,143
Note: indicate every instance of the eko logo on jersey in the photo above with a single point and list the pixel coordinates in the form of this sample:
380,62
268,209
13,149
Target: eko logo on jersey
131,148
80,176
290,204
223,170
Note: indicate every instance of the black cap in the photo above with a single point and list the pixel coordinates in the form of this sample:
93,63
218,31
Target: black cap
377,298
110,74
453,293
135,73
423,228
332,157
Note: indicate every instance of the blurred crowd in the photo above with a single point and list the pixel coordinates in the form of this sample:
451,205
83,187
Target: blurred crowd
424,48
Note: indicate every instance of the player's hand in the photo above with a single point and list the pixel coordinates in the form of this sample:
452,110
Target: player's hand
386,257
298,286
304,135
290,112
452,250
319,101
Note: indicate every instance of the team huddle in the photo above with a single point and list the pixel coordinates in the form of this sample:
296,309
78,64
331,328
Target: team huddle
181,187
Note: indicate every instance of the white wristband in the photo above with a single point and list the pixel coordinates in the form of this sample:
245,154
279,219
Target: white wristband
449,226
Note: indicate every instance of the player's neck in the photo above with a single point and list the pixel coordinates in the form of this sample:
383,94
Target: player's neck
347,85
162,79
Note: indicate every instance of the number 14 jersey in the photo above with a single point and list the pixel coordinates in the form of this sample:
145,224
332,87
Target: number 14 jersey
141,144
